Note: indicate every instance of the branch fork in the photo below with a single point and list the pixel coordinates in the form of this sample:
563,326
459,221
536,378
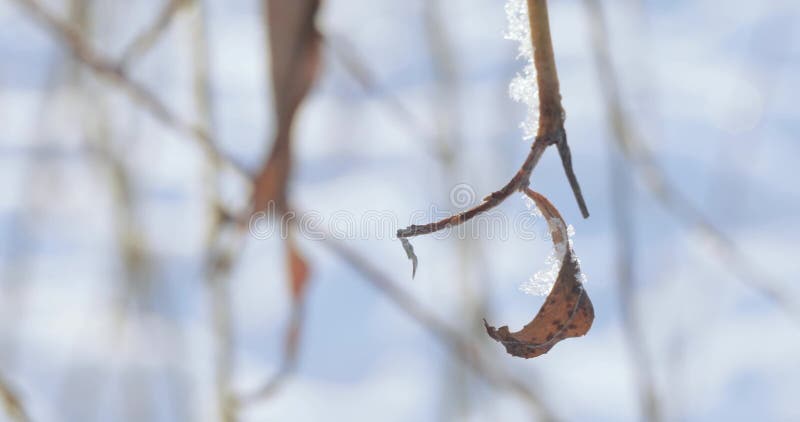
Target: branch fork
551,132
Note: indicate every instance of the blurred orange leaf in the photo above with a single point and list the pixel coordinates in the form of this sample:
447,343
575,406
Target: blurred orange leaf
298,271
295,56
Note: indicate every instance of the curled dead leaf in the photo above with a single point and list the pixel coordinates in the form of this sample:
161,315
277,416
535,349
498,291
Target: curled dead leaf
567,311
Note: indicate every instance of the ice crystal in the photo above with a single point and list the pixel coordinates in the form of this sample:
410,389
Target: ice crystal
523,87
542,282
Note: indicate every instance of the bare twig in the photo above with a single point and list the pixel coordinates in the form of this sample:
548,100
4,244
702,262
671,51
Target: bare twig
520,180
112,72
551,130
146,39
673,200
551,113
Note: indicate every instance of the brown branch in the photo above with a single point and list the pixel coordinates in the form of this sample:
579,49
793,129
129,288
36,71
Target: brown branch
520,180
551,113
551,130
112,72
672,199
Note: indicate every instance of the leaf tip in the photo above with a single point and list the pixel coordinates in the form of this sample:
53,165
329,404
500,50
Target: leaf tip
411,255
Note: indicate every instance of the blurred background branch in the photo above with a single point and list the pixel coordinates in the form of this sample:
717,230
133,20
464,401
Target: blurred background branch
113,72
12,404
642,161
145,40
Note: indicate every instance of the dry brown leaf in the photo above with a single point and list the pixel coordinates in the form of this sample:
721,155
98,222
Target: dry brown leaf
298,279
295,56
567,311
294,59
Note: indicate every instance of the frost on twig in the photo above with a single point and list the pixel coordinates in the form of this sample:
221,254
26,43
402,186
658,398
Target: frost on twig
523,87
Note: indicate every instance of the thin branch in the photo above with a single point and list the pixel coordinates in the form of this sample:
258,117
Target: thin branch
551,130
624,225
220,257
112,72
551,113
673,200
520,180
146,39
